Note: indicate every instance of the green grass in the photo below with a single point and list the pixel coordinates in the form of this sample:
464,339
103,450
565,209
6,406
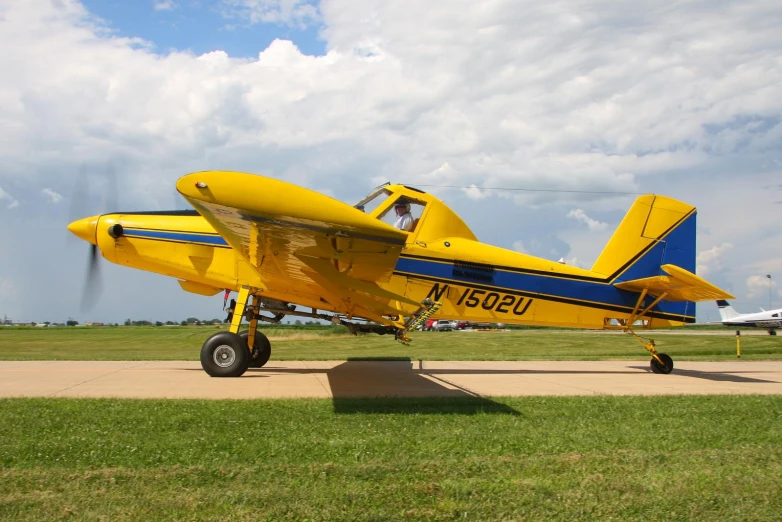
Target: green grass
667,458
324,342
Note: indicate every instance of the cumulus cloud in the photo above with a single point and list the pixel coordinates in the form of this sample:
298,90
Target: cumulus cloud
299,13
165,5
572,261
496,92
473,192
711,260
758,287
545,246
52,195
593,224
8,200
442,176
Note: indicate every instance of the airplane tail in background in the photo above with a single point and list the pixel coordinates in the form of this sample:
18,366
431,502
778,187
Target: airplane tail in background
653,249
727,312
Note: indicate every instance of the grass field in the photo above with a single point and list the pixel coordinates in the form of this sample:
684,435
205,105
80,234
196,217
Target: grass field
540,458
324,342
668,458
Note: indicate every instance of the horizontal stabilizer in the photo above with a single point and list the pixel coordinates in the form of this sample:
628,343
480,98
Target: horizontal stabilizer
680,285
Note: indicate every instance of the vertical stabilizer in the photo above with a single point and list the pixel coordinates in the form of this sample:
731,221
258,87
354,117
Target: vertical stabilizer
657,230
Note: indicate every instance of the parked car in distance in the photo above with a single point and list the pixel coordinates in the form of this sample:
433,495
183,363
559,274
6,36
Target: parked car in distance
442,325
460,325
480,326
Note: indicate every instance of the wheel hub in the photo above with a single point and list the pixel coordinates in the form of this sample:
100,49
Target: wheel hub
224,356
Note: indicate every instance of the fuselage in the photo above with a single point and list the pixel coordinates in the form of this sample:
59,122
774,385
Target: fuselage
767,319
473,281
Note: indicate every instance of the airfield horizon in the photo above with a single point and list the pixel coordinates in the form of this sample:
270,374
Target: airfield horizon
335,343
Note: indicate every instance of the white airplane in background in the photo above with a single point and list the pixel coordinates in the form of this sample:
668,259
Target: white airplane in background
771,319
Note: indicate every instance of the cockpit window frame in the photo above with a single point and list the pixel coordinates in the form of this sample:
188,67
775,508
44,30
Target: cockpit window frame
380,212
390,203
376,193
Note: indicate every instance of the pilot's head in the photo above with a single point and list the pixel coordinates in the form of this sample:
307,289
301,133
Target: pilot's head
402,207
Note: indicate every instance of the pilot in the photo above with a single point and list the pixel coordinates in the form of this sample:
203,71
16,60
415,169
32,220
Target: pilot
404,220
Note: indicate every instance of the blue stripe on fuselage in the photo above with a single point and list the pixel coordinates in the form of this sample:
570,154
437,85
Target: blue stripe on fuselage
677,248
186,237
593,293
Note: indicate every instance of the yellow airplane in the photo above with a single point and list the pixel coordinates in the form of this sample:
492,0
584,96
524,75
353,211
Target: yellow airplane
284,248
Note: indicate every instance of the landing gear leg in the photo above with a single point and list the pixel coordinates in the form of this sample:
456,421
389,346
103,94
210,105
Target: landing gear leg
257,343
261,350
226,354
660,362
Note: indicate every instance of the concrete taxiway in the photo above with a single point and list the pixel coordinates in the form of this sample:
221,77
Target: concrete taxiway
328,379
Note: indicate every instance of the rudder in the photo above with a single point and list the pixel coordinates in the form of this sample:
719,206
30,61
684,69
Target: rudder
657,230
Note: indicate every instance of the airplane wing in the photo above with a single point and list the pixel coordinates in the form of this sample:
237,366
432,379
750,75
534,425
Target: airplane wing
680,284
300,240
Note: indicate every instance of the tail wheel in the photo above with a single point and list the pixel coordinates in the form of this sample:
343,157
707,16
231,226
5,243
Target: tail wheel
261,351
666,367
225,355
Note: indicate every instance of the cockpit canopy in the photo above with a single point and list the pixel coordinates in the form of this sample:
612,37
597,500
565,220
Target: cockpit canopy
432,219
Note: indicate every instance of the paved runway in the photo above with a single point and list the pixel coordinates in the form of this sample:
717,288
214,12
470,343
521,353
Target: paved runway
186,379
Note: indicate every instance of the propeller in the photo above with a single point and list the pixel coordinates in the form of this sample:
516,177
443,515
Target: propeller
85,228
92,284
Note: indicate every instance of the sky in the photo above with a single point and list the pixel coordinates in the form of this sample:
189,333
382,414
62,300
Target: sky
679,98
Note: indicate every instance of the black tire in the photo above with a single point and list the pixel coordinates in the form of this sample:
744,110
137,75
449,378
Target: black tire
772,332
225,355
262,350
666,367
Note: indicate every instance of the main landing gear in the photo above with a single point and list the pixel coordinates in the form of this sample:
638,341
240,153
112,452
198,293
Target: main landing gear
230,354
225,354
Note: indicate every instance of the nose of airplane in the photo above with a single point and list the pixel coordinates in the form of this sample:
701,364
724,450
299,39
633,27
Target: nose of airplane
85,229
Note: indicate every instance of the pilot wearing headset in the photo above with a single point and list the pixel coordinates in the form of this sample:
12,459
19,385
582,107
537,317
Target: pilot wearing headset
404,220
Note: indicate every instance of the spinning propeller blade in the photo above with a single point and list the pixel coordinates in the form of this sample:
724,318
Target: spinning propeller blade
85,228
92,284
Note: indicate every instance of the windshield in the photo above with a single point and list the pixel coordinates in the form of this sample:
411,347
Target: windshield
374,199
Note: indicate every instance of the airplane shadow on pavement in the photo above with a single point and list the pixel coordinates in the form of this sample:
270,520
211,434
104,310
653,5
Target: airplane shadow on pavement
713,376
395,386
